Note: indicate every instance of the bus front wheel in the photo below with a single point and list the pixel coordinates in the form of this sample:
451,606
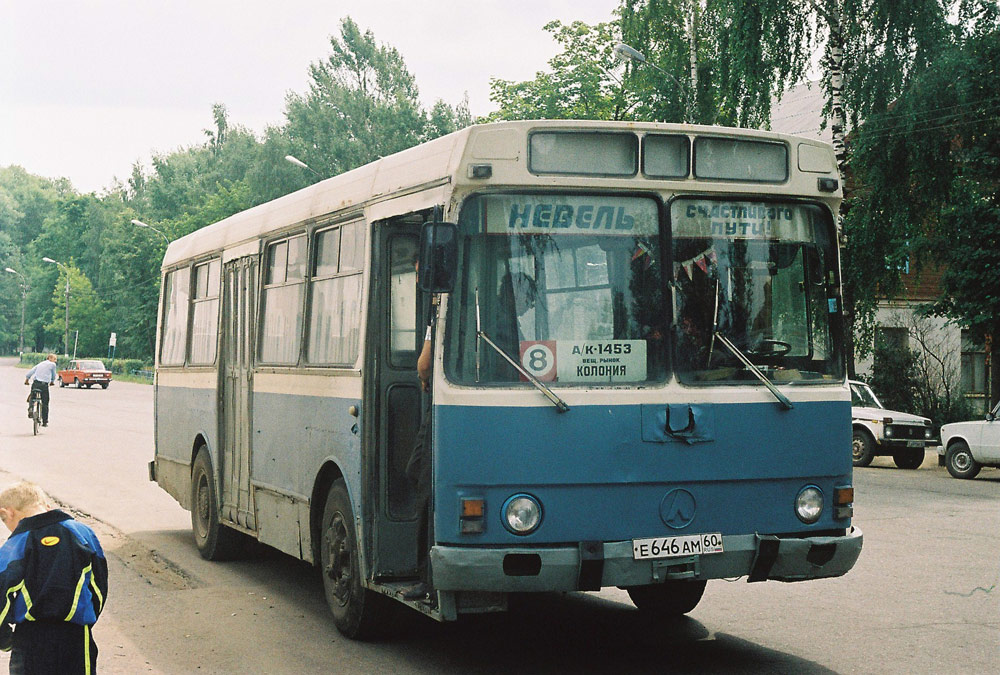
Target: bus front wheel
669,599
215,541
358,612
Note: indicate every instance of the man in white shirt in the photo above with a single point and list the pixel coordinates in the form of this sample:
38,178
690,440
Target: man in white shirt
45,376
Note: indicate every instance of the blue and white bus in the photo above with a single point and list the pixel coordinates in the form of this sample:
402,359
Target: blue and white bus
637,369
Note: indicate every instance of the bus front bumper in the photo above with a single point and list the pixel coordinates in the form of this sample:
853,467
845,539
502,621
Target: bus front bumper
593,565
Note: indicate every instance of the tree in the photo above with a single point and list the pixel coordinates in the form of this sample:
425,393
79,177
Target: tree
86,312
724,59
895,378
581,85
444,119
361,105
930,170
10,295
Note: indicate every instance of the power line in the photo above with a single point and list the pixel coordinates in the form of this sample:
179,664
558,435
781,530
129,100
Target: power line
888,132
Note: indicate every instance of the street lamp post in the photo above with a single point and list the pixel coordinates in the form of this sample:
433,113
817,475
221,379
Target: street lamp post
139,223
66,334
299,163
24,300
633,54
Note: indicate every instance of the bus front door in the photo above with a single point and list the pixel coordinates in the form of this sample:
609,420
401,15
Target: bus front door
239,322
395,315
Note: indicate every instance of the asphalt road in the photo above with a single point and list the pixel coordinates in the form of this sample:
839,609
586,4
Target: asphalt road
924,597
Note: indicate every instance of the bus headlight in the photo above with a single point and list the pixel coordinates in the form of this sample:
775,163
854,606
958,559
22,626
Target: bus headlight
522,514
809,504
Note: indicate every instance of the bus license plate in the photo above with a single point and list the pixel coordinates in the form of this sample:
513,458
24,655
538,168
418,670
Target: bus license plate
675,547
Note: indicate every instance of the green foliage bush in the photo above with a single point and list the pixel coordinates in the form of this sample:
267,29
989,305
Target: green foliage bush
116,366
894,377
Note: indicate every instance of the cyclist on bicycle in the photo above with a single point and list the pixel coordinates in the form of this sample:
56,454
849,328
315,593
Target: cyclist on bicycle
45,376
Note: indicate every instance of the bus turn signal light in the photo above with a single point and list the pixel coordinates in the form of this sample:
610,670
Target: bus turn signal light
473,508
843,496
843,502
472,521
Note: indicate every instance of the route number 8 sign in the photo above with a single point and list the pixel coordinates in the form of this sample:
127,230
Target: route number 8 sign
539,359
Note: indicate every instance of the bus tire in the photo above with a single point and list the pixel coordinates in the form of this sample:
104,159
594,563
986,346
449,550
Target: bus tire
358,612
214,540
960,462
910,458
670,599
862,448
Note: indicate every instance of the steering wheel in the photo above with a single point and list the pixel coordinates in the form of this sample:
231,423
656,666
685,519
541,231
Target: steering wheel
771,348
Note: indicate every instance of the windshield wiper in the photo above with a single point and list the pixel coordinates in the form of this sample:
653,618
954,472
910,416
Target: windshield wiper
725,342
481,335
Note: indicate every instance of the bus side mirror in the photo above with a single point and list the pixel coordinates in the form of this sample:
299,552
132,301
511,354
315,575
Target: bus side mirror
438,257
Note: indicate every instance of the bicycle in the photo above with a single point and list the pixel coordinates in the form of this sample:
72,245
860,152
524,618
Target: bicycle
35,410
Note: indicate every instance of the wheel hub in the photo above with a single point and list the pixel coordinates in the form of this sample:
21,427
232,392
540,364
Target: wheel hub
338,558
857,448
203,503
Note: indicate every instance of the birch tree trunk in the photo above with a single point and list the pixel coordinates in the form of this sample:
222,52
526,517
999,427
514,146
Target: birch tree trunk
691,107
833,13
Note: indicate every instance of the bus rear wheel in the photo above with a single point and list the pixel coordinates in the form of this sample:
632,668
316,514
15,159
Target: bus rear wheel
358,612
214,540
671,599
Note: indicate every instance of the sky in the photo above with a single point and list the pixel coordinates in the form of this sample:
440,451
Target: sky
90,87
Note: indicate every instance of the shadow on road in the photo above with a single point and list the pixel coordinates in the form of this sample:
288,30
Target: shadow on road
542,633
580,632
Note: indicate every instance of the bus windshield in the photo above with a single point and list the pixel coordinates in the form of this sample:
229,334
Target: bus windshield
569,286
761,275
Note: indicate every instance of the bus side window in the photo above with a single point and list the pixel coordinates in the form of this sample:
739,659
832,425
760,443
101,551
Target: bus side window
281,320
335,301
403,397
403,302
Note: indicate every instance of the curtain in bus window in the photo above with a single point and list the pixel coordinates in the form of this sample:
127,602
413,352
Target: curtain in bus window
352,247
281,327
296,270
204,331
335,320
205,314
175,308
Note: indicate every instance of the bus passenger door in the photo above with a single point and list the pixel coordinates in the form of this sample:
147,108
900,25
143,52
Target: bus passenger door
394,317
239,323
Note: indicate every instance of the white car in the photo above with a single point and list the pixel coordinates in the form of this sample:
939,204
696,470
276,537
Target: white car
969,446
878,431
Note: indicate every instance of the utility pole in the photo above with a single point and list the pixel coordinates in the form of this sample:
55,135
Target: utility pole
24,301
66,334
625,51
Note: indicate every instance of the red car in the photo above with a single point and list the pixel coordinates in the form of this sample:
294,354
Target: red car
85,373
